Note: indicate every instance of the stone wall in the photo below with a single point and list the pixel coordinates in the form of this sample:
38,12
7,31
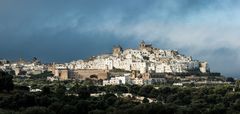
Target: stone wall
86,73
62,74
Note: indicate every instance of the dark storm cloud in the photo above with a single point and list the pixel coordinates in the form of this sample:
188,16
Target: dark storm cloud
63,30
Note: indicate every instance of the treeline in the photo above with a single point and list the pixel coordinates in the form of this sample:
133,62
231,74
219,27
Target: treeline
58,99
169,100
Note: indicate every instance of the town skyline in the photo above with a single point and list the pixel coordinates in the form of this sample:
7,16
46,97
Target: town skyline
144,65
29,59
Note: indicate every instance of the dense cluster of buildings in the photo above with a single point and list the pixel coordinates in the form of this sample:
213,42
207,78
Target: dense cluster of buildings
145,59
144,65
22,67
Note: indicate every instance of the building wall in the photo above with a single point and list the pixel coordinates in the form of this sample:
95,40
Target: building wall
17,71
86,73
203,67
61,73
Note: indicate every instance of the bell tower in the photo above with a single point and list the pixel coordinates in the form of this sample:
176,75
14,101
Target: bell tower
117,51
142,45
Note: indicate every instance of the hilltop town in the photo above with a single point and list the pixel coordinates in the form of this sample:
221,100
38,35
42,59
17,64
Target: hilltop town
127,81
144,65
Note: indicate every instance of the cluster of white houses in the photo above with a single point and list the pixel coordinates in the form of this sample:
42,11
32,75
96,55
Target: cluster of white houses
138,66
141,63
144,59
22,67
127,79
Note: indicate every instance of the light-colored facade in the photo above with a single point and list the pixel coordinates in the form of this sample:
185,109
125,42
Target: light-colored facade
118,80
145,59
21,66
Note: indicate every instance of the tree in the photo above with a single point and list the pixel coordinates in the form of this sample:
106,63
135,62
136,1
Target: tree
93,76
6,82
60,90
97,112
46,90
116,89
154,93
37,110
68,109
83,106
34,59
236,105
145,90
56,107
88,81
134,89
230,79
110,99
145,100
74,89
83,92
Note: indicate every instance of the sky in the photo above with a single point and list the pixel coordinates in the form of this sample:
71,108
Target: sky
66,30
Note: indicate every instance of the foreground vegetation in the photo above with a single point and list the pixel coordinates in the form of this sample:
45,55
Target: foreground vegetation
74,97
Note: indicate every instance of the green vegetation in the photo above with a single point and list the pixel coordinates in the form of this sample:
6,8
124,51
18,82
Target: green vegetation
75,97
6,82
43,75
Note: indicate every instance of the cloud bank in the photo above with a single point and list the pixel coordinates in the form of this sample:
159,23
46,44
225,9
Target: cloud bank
60,30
